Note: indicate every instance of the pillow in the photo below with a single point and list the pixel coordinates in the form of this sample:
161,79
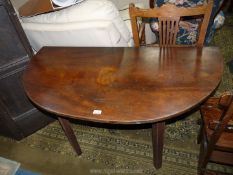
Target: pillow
86,10
89,10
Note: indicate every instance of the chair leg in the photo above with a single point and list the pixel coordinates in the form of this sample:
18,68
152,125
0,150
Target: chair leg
204,155
201,157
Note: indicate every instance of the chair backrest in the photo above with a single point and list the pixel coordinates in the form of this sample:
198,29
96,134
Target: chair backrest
169,17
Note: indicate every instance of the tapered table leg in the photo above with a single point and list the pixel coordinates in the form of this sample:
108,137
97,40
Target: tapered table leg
70,134
157,143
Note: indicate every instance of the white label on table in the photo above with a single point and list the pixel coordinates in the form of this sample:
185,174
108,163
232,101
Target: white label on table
97,112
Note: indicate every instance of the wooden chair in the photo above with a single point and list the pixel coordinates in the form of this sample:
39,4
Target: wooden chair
216,133
169,17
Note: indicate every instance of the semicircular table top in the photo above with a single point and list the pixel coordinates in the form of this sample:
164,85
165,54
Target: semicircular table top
122,85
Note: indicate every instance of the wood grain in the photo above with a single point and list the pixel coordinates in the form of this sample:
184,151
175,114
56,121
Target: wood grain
129,85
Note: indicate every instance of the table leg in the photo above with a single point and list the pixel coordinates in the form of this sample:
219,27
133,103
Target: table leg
70,134
157,143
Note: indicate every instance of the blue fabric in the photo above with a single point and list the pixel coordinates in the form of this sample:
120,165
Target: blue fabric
25,172
188,28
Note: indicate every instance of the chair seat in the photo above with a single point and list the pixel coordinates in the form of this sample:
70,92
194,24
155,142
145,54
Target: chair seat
207,111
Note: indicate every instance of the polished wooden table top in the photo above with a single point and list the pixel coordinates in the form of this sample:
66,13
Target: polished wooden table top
122,85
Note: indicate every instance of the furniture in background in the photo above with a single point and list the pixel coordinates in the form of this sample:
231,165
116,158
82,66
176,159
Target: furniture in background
91,23
188,31
169,19
216,133
126,86
18,117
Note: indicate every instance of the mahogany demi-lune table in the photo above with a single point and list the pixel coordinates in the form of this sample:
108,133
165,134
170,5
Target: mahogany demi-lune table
122,85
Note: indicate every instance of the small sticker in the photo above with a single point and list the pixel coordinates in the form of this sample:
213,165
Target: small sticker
97,112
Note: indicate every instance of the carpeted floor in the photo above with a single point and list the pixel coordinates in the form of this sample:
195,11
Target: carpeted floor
119,150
